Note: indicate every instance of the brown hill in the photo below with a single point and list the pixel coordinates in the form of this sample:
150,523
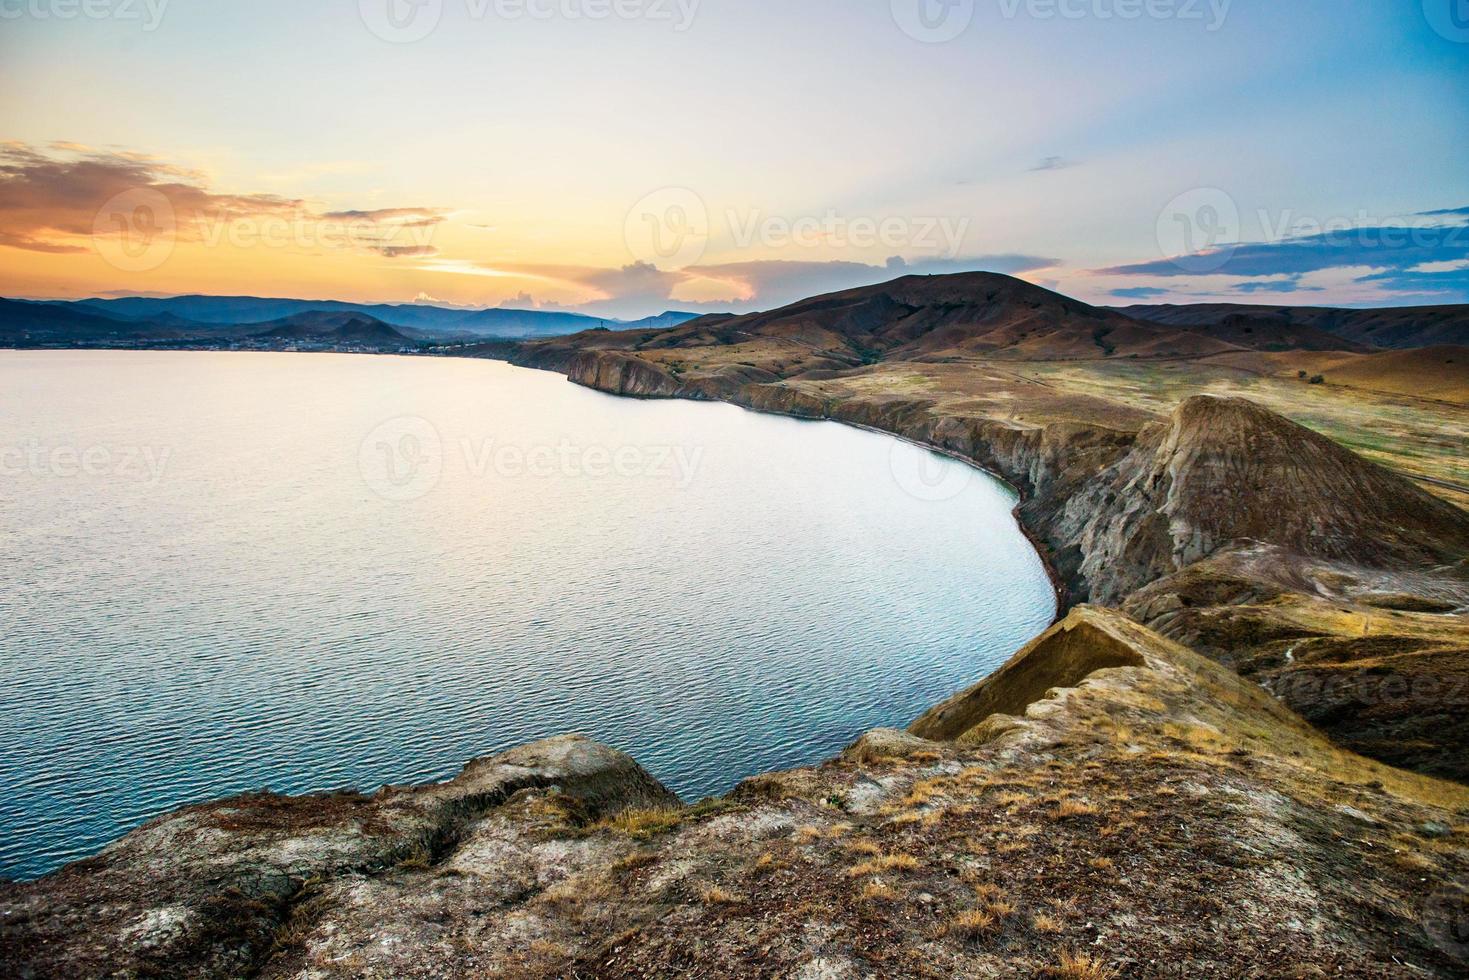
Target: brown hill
1224,470
922,317
1395,328
1425,372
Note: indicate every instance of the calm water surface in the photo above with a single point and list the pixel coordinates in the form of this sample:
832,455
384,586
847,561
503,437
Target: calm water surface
223,572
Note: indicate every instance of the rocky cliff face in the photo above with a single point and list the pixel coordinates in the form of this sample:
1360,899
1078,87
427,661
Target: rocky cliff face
1226,526
1224,470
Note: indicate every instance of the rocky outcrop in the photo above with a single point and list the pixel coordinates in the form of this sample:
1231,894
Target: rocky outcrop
208,891
1087,641
622,374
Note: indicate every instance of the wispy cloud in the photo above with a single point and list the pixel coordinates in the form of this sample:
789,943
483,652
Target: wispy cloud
1051,163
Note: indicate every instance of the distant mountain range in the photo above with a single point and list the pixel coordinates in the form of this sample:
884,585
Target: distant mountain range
911,317
217,318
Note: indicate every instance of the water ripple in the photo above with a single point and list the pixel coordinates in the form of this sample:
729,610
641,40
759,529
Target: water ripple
260,617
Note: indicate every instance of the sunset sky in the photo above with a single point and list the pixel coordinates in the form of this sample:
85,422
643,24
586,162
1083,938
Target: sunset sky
630,156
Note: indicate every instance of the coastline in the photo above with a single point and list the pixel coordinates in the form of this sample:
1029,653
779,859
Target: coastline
1157,792
1058,587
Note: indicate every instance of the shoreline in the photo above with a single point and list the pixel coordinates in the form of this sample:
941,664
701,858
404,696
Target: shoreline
1057,591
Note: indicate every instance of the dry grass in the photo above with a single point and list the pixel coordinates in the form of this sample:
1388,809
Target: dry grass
1079,966
877,891
714,895
635,860
973,924
888,862
1047,924
1101,864
643,824
1074,808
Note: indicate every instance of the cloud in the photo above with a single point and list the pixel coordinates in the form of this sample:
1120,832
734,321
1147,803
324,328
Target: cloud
1292,285
400,217
1426,258
403,251
1051,163
58,201
1139,292
48,201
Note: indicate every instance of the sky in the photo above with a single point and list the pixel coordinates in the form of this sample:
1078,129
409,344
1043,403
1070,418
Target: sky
624,157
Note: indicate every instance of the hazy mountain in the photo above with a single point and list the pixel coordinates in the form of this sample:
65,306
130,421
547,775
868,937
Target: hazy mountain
436,320
348,329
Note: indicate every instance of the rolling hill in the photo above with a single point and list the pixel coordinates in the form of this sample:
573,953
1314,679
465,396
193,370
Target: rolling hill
1303,326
